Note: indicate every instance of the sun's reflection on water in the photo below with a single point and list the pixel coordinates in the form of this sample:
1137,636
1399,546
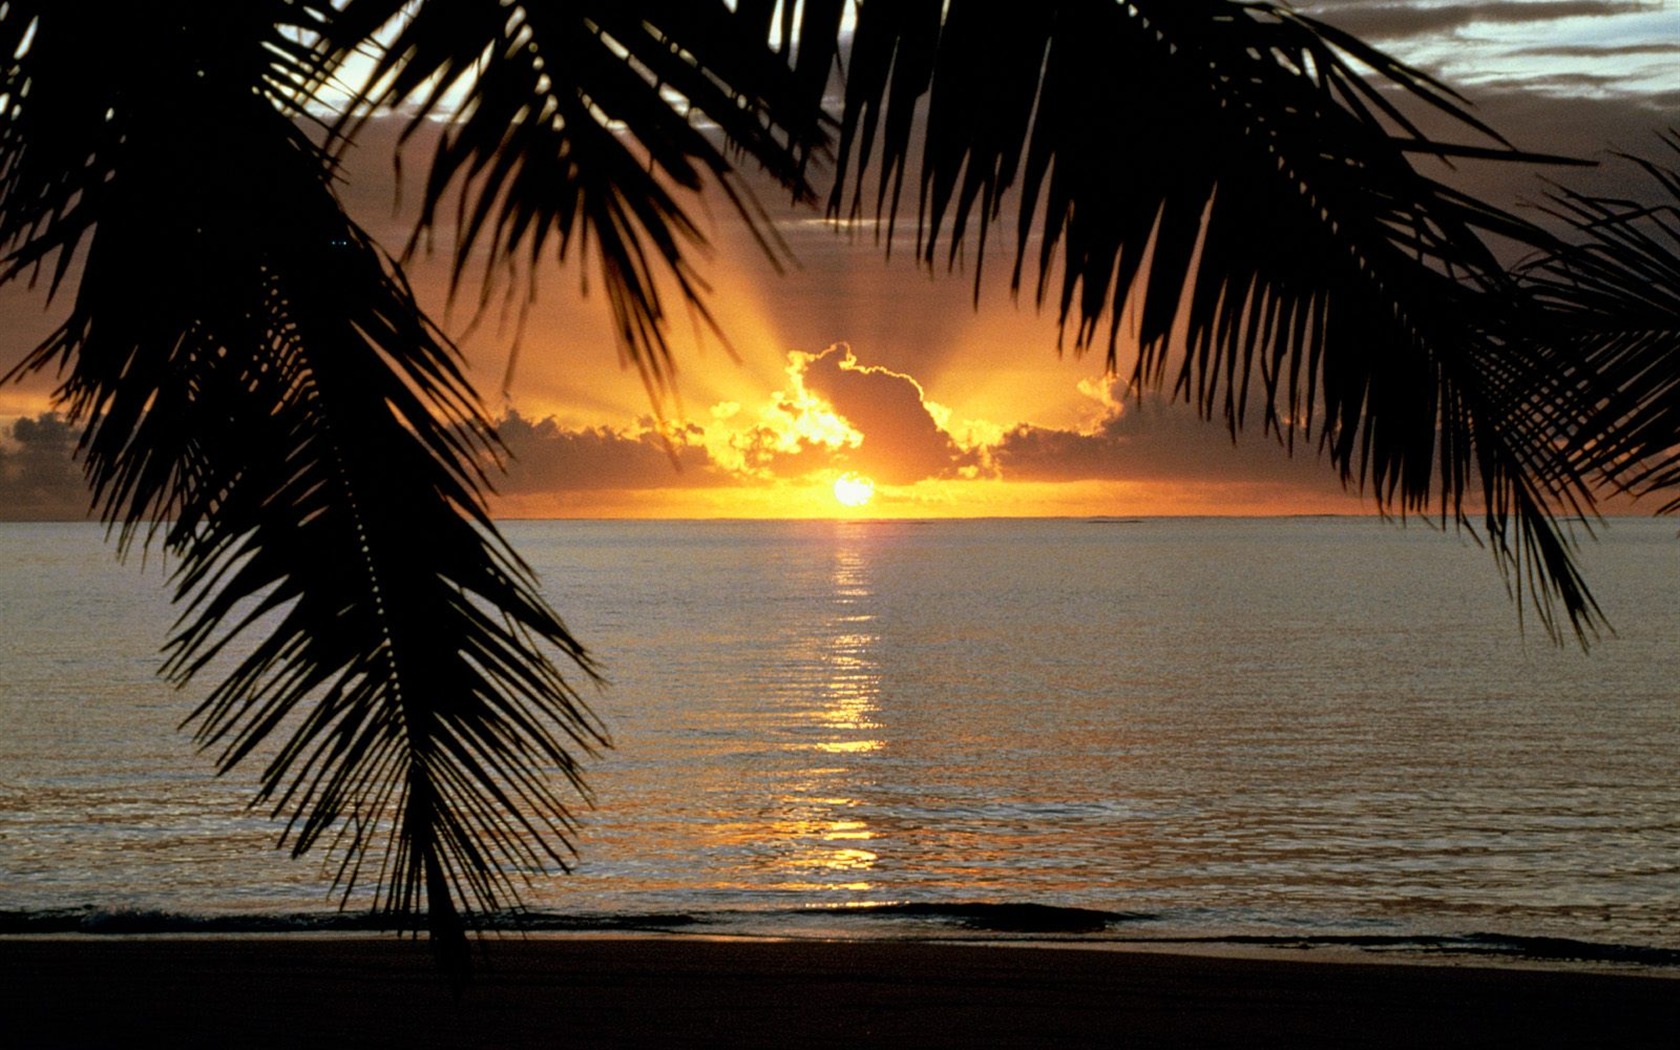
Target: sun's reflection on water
850,747
812,837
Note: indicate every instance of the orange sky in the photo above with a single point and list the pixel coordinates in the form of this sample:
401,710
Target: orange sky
848,364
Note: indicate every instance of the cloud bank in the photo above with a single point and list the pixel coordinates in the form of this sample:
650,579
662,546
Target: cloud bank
1390,21
835,413
39,479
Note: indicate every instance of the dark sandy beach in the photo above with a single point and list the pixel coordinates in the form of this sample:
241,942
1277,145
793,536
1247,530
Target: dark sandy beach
303,991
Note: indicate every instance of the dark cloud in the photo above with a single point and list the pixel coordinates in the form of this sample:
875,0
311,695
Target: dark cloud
1153,439
902,442
1601,50
546,457
1566,82
1590,129
1387,21
39,479
1587,128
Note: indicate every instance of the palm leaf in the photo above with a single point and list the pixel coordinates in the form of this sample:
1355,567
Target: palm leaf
1608,321
1220,172
260,386
574,127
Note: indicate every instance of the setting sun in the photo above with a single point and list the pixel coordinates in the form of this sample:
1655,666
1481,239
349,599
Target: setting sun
853,489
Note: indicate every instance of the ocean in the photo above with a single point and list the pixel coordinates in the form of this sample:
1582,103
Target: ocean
1293,731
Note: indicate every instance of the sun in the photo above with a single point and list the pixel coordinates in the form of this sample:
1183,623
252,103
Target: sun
853,489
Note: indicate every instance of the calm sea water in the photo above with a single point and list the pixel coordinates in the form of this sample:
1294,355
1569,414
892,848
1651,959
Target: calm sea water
1301,730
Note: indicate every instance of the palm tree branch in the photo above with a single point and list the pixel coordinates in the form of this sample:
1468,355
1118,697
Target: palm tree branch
580,125
1219,174
1608,322
260,389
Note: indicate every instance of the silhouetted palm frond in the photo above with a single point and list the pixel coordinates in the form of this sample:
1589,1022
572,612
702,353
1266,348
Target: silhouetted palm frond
260,386
1220,172
570,127
1609,323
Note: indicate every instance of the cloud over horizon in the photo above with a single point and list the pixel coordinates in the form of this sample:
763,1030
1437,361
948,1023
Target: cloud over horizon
39,478
836,413
544,456
833,414
903,440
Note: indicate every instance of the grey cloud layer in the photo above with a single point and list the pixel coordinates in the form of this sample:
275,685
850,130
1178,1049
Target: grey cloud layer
1152,439
544,457
1389,21
39,481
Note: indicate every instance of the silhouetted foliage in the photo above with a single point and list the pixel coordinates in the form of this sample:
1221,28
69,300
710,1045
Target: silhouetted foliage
1607,320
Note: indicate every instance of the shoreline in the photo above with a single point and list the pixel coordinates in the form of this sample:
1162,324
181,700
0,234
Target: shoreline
1281,949
1483,949
305,990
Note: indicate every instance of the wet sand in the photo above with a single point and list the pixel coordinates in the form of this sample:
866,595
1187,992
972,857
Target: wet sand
668,991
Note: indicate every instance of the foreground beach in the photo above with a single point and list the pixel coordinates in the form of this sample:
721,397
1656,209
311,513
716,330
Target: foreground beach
304,991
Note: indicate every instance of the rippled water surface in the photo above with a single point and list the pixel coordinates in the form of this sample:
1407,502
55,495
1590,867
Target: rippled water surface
1215,727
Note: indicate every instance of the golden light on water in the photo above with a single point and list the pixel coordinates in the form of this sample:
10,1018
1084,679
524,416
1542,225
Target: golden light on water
849,747
853,489
810,832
